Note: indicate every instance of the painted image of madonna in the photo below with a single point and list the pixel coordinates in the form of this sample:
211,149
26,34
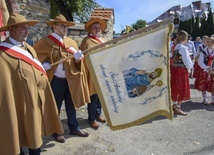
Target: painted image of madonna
139,81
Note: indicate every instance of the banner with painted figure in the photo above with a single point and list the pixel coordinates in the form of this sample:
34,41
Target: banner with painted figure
132,78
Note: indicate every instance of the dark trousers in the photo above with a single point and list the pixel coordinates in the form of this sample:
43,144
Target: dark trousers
31,151
94,108
61,92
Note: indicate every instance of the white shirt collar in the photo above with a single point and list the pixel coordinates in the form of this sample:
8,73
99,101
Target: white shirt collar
94,35
59,35
16,43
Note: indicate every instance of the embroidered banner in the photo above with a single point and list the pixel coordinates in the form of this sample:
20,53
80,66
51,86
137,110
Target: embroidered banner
132,78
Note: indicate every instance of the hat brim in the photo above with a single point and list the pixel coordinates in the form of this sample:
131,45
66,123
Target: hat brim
30,23
102,23
51,23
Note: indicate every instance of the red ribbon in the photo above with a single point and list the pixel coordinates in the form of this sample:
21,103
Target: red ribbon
97,39
60,44
23,57
210,59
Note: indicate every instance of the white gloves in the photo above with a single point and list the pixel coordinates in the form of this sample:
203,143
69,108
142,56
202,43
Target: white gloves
78,55
46,65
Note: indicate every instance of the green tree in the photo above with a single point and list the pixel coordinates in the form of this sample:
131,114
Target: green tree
196,28
73,10
210,23
192,25
213,25
139,24
182,25
203,27
189,26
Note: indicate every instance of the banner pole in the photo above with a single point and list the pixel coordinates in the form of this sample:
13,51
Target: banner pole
126,36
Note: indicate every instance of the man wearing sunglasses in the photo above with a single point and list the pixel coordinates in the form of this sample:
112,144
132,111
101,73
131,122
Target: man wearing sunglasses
68,79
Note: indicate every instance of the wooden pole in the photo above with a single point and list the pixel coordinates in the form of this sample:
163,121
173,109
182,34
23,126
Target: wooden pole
116,40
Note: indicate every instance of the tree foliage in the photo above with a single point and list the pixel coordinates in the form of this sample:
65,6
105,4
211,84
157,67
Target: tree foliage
203,27
73,10
189,26
182,25
198,26
139,24
210,22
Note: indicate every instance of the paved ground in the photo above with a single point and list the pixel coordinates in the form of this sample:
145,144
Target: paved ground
185,135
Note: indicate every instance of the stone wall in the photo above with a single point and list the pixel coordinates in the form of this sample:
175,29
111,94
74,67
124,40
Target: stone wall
110,29
40,10
32,10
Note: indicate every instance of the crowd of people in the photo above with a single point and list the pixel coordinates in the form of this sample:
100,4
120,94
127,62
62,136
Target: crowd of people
191,59
37,78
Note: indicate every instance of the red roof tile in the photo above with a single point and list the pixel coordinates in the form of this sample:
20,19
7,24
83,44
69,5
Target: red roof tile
103,13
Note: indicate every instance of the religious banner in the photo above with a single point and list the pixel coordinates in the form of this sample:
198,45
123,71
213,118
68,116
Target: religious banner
132,78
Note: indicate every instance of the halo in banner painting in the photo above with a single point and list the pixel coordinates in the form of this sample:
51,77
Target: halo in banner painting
132,78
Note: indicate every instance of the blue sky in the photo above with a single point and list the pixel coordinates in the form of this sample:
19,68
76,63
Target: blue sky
127,12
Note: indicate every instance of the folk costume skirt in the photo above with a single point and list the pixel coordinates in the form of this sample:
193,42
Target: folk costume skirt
197,68
210,85
180,88
201,81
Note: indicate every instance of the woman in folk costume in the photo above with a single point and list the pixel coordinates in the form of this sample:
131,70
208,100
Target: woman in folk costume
180,88
205,62
67,78
210,87
28,110
192,51
95,28
200,48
